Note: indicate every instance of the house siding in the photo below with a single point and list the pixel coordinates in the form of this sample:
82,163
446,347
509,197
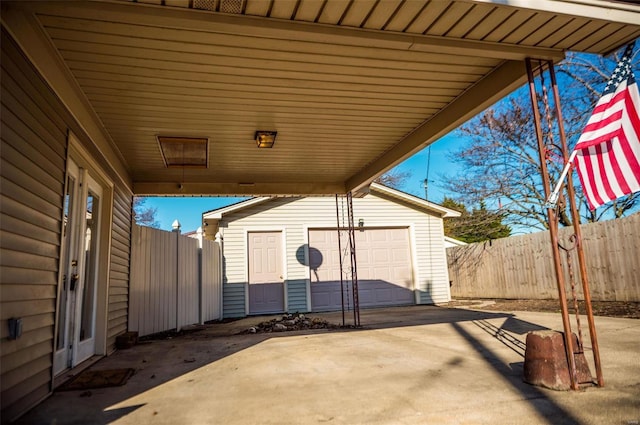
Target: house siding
34,150
297,295
298,215
234,301
120,262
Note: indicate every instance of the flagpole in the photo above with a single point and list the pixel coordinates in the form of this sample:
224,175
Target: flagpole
575,216
553,231
553,198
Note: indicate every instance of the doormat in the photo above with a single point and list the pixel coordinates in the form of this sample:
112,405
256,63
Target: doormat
97,379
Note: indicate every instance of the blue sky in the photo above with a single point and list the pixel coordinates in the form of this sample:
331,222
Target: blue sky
188,210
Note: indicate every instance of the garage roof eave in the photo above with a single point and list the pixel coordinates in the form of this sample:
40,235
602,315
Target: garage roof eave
216,215
414,200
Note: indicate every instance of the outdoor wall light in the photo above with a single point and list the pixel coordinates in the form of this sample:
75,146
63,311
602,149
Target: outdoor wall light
361,223
265,139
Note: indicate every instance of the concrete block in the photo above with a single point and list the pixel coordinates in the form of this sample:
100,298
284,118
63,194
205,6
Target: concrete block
545,361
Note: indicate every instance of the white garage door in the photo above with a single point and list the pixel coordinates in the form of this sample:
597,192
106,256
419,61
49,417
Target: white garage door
384,268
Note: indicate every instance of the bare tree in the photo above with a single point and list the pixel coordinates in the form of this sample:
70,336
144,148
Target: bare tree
501,161
393,178
476,226
143,215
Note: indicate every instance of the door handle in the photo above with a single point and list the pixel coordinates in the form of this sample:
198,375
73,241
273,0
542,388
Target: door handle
73,281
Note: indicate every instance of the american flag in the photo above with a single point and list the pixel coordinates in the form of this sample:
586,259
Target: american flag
607,155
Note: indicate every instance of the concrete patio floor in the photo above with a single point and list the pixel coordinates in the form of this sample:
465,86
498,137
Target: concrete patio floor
410,365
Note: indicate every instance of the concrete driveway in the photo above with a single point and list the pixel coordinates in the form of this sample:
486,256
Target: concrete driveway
413,365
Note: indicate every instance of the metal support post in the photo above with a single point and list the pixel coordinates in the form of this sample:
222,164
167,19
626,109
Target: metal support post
349,226
575,217
340,258
553,230
354,263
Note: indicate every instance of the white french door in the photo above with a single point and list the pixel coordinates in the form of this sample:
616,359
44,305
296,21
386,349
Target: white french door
75,338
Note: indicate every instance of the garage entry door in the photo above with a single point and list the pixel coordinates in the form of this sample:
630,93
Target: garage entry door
384,268
266,288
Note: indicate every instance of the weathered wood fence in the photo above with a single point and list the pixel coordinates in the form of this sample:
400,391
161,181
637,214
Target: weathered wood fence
175,280
521,267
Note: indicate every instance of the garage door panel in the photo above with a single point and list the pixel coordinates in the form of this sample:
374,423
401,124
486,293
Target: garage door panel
372,294
383,296
405,296
364,274
401,274
378,292
382,273
380,255
326,296
384,268
379,236
400,255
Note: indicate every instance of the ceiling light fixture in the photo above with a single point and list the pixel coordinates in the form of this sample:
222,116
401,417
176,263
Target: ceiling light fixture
265,139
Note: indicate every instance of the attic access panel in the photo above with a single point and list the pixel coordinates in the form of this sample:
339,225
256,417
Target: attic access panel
189,152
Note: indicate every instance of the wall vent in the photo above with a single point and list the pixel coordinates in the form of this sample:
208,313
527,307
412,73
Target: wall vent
232,6
205,4
189,152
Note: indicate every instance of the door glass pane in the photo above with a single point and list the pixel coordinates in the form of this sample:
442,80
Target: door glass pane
90,252
67,225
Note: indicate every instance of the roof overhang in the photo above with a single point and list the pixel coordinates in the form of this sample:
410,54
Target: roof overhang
217,214
352,88
420,203
454,242
212,218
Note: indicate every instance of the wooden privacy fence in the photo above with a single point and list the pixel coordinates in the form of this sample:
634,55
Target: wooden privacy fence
175,280
521,267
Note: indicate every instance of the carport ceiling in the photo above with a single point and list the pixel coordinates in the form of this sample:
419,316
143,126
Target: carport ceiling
352,87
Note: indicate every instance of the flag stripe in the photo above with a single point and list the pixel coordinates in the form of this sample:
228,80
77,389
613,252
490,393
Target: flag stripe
604,186
608,150
587,176
615,176
630,139
630,171
606,106
603,125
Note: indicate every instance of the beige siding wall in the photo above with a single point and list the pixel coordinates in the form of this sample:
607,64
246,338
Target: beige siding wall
296,215
34,149
32,170
119,273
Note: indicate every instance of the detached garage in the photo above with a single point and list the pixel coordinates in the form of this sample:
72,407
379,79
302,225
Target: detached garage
283,255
